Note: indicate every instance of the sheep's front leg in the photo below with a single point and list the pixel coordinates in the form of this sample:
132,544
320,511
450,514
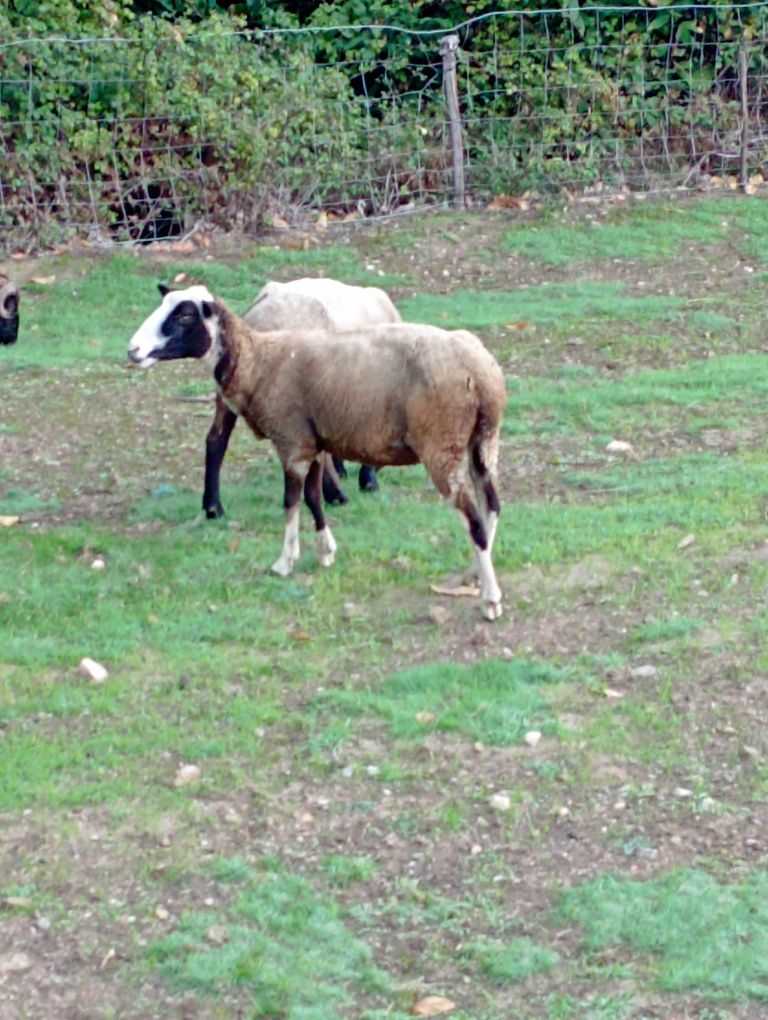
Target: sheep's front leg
326,544
294,482
216,444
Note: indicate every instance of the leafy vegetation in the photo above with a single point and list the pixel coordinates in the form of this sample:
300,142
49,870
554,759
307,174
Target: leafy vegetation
227,109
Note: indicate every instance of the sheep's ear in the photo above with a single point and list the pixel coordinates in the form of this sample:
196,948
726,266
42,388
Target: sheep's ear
206,307
163,289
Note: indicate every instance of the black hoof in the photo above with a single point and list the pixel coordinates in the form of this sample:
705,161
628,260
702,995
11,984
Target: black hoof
213,512
341,469
334,497
367,479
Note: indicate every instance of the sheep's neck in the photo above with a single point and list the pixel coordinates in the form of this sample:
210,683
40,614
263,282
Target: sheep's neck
229,351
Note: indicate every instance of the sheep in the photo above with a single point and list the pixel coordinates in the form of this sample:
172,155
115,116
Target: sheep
409,393
9,310
324,304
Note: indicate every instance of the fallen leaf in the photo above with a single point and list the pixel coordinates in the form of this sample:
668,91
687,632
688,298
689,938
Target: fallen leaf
8,521
44,280
518,324
457,592
180,278
424,717
322,221
433,1005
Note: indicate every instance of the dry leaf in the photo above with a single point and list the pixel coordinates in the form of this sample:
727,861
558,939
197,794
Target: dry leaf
7,521
457,592
424,717
433,1005
180,278
508,202
322,221
278,223
44,280
517,324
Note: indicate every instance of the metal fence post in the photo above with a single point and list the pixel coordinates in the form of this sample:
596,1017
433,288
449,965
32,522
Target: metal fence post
449,44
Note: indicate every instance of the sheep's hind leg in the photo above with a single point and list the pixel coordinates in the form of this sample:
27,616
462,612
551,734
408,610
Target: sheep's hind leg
488,505
481,536
326,544
294,482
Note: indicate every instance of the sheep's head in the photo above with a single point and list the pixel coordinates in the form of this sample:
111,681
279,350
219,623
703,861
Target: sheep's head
9,310
184,326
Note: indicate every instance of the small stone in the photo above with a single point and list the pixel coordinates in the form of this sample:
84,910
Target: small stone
500,802
475,849
98,563
532,738
15,963
93,671
609,692
424,718
646,672
750,752
162,914
682,792
439,615
43,923
217,934
685,542
619,446
186,774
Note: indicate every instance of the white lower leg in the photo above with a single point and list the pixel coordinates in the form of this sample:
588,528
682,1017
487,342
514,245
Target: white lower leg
326,547
490,593
290,553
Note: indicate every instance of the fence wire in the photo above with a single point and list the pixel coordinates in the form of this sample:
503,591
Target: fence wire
99,138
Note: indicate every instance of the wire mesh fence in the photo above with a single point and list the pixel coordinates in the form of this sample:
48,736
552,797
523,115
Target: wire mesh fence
140,137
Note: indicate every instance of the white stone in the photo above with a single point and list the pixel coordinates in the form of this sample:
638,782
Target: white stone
532,738
93,670
186,774
500,802
646,672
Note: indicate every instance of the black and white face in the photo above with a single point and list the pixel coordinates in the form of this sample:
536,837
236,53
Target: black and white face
9,310
184,326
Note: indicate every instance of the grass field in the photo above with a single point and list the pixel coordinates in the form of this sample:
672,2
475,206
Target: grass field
560,815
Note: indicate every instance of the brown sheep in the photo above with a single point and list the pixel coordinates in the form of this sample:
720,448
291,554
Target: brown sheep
409,393
317,303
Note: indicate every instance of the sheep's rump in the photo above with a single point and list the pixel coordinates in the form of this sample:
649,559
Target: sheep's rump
382,395
325,304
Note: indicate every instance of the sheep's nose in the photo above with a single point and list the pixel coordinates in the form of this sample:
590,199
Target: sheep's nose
134,355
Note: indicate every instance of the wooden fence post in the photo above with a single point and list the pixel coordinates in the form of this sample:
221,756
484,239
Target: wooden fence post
744,92
449,44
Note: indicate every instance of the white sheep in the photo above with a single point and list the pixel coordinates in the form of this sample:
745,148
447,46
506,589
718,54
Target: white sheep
318,303
9,310
408,393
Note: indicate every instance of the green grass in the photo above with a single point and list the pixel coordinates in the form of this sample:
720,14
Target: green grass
495,702
282,943
339,855
584,301
645,232
512,961
691,931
